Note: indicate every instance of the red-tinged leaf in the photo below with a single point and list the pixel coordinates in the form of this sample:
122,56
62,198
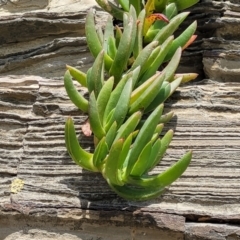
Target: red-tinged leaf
151,19
190,41
159,16
86,129
156,16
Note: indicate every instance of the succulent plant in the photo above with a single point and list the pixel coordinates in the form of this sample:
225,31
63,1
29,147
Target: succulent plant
126,95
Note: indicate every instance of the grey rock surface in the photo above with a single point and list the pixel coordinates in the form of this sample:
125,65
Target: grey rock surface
41,37
44,195
221,56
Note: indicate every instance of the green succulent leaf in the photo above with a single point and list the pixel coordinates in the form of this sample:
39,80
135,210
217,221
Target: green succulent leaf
100,153
128,126
167,177
170,69
135,193
170,11
111,134
111,8
153,158
78,75
181,40
124,4
94,117
156,63
125,46
123,103
166,31
144,55
165,141
160,5
109,120
79,155
162,95
95,79
111,170
183,4
138,46
100,35
166,117
146,66
118,35
126,149
108,33
144,136
111,47
104,96
115,95
137,5
93,41
139,166
78,100
137,93
148,95
174,85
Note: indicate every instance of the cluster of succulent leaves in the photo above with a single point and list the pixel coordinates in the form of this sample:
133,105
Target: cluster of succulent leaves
127,92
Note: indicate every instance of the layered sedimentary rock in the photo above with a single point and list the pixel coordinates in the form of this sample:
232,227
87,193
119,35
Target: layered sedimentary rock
207,13
216,52
40,37
221,57
44,195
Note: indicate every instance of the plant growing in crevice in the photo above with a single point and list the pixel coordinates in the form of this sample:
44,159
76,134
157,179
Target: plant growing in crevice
127,92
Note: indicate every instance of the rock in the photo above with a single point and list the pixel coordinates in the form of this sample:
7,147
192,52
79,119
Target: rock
45,195
196,231
44,37
222,64
47,35
9,7
206,13
215,53
221,57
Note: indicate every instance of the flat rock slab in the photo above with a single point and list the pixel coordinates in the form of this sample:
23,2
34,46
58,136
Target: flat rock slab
41,37
9,7
44,195
44,36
